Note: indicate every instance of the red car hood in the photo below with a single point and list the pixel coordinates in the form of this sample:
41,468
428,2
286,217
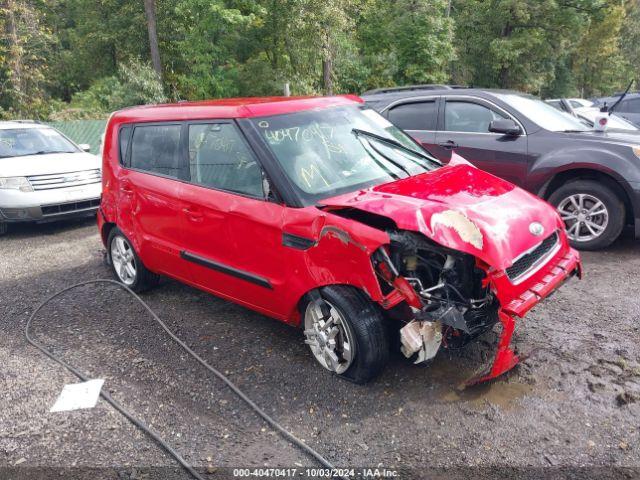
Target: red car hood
463,208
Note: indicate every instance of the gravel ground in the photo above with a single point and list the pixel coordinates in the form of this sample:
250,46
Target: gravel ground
571,409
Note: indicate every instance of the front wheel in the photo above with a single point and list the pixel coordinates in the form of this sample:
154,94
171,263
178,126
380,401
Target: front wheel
592,212
346,333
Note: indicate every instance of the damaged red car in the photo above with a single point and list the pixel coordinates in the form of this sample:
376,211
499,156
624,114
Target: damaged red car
322,214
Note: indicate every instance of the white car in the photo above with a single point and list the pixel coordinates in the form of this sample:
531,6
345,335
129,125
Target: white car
588,114
45,176
574,102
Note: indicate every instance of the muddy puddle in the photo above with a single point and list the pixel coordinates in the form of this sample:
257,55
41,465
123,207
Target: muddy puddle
501,394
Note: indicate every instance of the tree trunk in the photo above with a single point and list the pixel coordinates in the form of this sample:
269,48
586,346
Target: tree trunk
327,66
15,53
150,12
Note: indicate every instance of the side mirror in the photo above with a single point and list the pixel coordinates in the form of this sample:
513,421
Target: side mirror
505,126
85,147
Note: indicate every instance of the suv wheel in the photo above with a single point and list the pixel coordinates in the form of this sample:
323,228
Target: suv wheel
4,227
126,265
346,334
592,212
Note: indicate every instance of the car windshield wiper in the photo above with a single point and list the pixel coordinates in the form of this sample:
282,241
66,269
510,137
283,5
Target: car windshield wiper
396,144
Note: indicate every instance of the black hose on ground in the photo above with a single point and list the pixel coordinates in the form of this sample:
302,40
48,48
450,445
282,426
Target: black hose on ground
138,423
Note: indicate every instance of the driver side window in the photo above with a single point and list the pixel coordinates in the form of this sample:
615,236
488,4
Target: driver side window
460,116
219,158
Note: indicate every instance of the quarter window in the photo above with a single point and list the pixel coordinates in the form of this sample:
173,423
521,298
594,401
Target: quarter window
156,149
219,158
468,117
414,116
123,142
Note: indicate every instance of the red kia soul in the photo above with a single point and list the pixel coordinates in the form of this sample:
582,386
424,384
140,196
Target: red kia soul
322,214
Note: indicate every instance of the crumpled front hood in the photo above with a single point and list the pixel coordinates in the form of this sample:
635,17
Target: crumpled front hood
463,208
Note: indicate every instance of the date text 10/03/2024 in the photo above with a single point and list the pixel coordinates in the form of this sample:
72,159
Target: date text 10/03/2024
315,472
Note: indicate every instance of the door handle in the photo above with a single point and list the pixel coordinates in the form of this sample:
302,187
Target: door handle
448,145
193,214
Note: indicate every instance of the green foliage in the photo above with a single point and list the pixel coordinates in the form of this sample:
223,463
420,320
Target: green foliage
600,65
136,83
24,47
81,58
518,43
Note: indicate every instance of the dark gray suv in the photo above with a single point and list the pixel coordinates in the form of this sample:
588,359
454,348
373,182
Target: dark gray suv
592,178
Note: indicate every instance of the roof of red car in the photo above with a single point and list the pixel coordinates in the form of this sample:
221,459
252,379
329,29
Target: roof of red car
230,108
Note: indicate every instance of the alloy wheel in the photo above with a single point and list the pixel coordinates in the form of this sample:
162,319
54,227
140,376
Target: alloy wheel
124,262
329,337
586,217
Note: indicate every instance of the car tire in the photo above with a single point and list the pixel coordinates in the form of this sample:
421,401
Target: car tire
126,265
360,322
4,228
594,197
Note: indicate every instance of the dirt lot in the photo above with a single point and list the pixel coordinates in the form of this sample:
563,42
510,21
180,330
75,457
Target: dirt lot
572,409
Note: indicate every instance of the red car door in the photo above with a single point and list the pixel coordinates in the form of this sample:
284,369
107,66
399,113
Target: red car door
233,236
149,210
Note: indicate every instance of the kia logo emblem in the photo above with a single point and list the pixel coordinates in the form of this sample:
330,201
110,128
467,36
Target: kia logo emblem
536,229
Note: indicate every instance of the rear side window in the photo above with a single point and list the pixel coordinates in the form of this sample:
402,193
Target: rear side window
414,116
468,117
219,158
123,142
156,149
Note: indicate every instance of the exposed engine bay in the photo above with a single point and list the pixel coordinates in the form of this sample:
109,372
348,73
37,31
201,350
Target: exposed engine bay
451,303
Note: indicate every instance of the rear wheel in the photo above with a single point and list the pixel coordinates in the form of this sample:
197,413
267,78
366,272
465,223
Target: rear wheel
126,265
592,212
346,333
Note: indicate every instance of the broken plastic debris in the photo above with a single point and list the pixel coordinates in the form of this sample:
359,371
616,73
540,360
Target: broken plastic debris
423,337
75,396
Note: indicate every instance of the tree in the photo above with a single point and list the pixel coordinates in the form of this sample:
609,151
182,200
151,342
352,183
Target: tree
150,12
25,45
630,40
417,44
599,64
517,43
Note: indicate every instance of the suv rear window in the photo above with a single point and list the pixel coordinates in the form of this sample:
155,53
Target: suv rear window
156,149
414,116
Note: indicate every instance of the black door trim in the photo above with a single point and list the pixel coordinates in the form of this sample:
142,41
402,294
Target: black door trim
296,241
205,262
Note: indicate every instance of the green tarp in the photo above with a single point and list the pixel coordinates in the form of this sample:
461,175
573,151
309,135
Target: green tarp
83,131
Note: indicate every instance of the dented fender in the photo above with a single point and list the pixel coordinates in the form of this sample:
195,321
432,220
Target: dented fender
325,249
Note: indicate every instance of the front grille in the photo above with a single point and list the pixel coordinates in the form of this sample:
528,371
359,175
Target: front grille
70,207
64,180
532,258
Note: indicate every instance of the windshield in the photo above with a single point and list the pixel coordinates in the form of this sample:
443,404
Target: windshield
338,150
543,114
17,142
